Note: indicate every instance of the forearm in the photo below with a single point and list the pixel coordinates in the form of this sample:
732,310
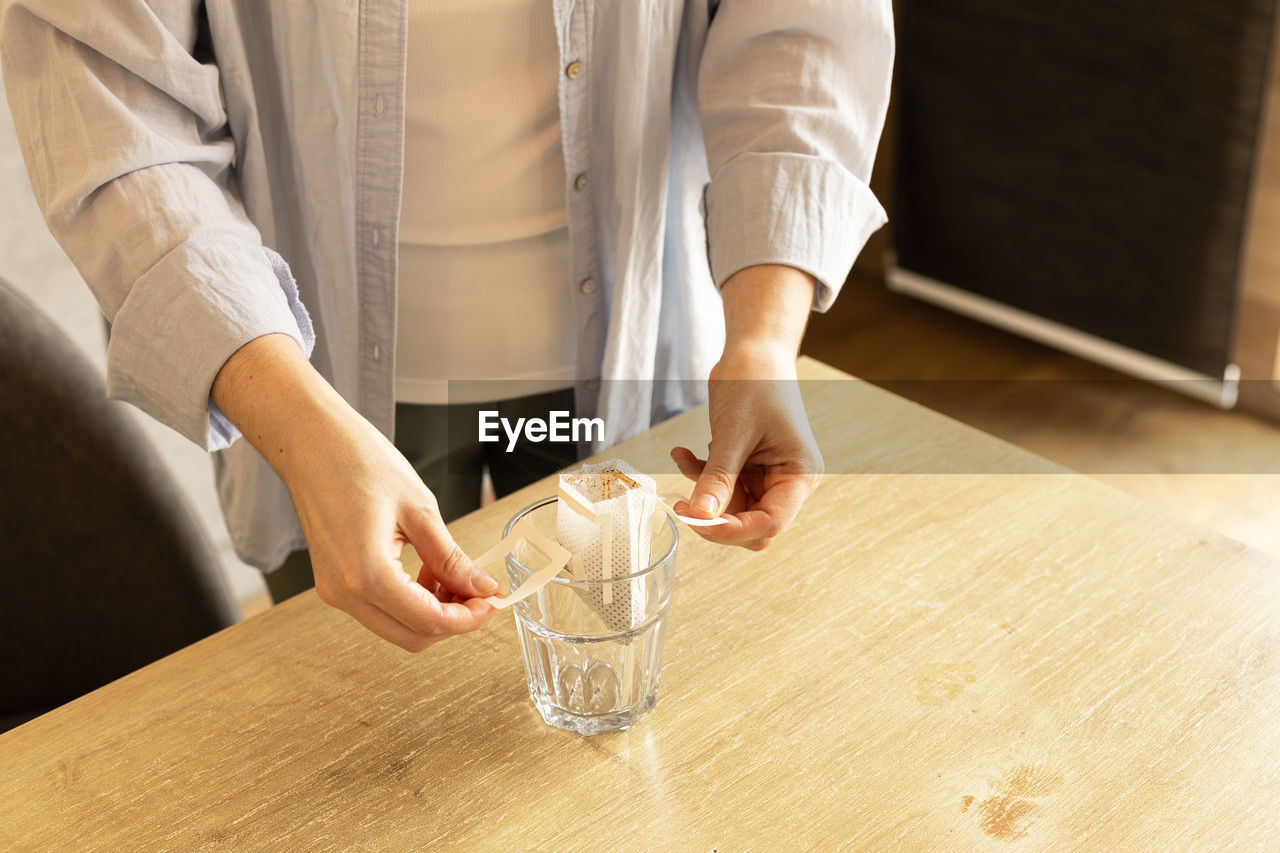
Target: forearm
766,308
278,401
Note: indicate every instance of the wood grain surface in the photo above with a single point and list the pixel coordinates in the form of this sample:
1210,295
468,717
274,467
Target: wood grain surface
944,661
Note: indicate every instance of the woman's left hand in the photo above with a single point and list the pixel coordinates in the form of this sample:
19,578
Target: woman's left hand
762,463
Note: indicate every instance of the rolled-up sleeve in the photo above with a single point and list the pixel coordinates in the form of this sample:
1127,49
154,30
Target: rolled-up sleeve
792,97
126,142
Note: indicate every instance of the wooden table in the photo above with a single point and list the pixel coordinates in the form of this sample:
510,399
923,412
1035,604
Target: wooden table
1027,660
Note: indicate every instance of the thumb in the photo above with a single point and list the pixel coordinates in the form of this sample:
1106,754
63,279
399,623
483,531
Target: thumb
714,489
443,559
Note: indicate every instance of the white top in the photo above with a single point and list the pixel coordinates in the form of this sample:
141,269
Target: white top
484,272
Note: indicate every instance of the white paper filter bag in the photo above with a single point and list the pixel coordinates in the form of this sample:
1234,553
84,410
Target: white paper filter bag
604,518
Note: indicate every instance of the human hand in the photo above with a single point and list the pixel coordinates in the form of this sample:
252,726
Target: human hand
763,462
359,501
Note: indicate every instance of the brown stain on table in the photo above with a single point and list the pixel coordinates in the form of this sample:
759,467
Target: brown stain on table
1010,810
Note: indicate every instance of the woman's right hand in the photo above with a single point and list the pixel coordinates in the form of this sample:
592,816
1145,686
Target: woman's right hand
359,500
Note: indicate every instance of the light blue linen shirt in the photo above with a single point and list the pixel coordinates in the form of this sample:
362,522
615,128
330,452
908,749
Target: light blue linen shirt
226,169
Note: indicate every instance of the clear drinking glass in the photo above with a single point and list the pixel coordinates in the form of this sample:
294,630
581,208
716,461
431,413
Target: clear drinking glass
584,675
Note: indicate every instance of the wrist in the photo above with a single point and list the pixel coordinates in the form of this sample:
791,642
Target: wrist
317,432
765,311
759,349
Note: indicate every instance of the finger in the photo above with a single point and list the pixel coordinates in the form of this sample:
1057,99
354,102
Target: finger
442,593
387,628
780,500
411,604
708,533
442,557
728,532
750,544
781,503
691,466
739,528
431,585
714,487
688,463
767,517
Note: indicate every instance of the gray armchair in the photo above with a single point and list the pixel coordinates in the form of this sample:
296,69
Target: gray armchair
103,569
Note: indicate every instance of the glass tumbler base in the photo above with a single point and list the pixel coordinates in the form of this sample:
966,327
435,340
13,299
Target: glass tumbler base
594,724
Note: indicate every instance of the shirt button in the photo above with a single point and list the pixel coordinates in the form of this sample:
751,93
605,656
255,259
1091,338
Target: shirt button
573,69
587,286
580,182
377,353
593,384
378,106
377,237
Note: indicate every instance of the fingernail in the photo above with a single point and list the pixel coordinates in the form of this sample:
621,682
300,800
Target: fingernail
706,503
484,582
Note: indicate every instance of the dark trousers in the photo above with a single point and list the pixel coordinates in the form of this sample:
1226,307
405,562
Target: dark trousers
442,444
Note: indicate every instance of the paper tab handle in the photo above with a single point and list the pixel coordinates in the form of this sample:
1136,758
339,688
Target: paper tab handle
687,519
556,555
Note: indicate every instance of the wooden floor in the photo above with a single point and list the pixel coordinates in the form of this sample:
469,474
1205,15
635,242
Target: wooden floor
1219,469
